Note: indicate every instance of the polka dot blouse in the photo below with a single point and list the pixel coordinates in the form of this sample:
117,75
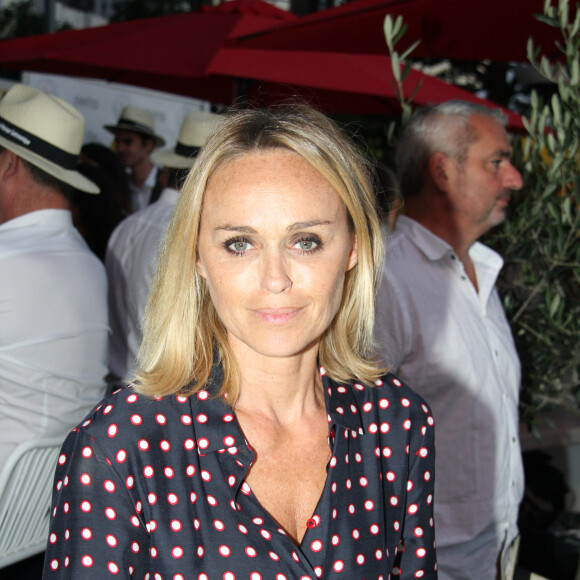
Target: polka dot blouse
155,489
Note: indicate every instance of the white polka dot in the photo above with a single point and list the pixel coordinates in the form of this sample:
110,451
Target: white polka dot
85,506
86,453
360,559
165,445
136,419
86,534
176,525
85,479
177,552
189,444
172,498
148,471
374,529
109,486
338,566
161,419
112,431
86,561
111,540
54,564
62,459
113,568
219,525
143,444
110,513
316,546
224,551
251,552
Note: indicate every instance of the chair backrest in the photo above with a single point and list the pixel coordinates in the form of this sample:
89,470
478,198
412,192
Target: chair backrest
25,496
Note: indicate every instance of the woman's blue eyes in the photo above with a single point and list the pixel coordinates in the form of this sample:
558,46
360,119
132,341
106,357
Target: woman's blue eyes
306,244
240,246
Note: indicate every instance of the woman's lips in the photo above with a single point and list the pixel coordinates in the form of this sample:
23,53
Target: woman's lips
277,316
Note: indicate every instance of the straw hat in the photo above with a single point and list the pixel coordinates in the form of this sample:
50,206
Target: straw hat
45,131
194,131
139,121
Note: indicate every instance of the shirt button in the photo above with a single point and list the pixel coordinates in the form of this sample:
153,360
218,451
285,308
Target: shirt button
311,523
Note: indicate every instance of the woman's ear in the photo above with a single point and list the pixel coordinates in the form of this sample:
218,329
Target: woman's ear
352,260
200,268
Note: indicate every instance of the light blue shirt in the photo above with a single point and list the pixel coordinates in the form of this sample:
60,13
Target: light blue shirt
53,328
453,345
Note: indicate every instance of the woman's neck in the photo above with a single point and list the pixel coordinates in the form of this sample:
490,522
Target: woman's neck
279,388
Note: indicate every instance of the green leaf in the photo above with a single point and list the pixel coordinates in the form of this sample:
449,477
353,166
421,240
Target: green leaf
406,54
555,304
396,67
550,21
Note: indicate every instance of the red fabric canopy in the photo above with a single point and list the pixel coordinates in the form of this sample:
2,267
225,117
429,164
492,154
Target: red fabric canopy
340,82
457,29
169,53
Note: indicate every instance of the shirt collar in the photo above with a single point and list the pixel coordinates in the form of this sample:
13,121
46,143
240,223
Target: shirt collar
169,195
39,218
218,429
342,406
430,245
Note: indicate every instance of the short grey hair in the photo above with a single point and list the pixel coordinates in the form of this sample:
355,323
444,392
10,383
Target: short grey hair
444,127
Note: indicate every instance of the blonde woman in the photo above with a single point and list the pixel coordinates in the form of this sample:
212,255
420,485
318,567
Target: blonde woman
259,439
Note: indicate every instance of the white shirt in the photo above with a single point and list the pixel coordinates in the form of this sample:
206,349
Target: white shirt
53,328
454,347
140,196
131,260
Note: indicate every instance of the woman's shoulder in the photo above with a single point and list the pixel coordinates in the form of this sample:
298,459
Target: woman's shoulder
126,411
390,395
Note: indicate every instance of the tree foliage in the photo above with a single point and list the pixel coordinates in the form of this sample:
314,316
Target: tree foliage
540,242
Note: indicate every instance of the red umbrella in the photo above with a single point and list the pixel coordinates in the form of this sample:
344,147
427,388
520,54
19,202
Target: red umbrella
457,29
169,53
338,82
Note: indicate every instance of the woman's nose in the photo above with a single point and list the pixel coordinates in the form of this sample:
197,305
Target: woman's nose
275,276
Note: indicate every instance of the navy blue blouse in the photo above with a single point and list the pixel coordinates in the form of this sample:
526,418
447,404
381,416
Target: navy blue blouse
155,488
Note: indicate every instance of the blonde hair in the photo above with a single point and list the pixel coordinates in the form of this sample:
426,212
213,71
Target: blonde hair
183,336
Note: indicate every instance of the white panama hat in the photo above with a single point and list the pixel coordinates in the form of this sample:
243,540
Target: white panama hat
45,131
195,130
138,120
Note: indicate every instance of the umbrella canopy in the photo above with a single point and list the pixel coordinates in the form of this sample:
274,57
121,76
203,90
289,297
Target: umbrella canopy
457,29
169,53
188,54
338,82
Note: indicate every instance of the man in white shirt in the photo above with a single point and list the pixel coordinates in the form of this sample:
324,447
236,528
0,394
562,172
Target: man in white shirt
53,310
135,140
133,248
442,328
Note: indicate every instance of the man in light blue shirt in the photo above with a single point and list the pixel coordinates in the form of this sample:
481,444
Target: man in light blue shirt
442,328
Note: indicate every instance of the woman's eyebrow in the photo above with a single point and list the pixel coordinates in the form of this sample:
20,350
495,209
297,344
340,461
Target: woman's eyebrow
240,229
291,228
305,225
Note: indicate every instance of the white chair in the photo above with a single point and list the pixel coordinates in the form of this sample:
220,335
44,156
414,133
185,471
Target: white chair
25,495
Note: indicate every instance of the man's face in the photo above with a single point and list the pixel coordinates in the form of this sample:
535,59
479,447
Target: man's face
481,188
131,148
